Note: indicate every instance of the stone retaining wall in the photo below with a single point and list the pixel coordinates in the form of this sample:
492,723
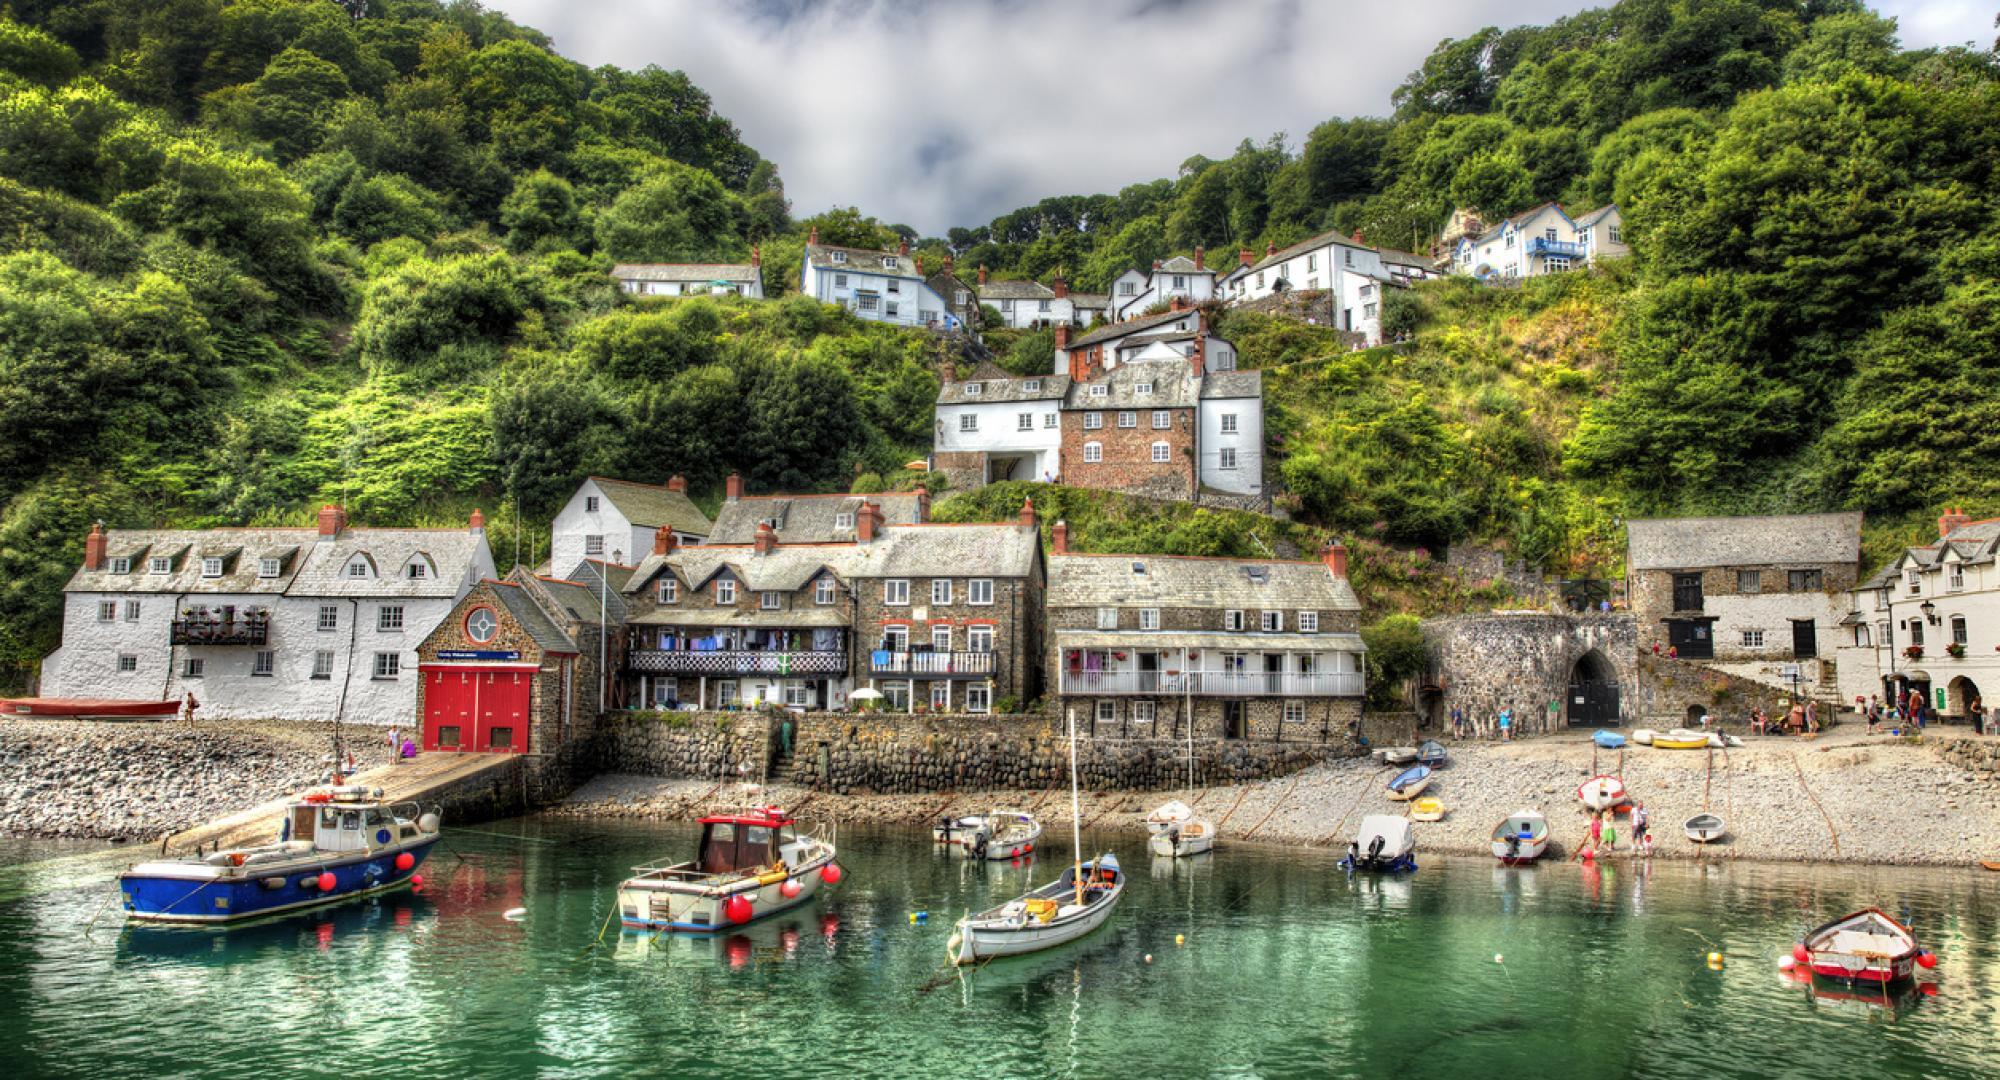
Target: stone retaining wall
1524,660
1969,752
707,746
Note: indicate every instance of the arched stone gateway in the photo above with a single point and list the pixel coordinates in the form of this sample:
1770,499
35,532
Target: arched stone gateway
1592,700
1694,714
1959,694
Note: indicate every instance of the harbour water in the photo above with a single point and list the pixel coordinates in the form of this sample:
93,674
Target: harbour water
1289,968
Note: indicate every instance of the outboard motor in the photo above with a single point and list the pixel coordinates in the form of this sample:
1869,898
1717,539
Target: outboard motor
1375,848
977,845
1174,836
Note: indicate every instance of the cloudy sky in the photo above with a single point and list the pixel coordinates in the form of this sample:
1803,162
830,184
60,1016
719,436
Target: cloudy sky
948,113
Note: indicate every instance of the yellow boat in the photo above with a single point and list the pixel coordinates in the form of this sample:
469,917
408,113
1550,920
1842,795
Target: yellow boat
1679,740
1428,808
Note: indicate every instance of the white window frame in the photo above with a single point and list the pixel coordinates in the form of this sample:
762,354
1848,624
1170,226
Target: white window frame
1232,620
1107,618
1048,420
1229,423
593,544
1225,459
1025,421
1162,420
269,568
837,256
388,667
416,570
160,564
389,619
1294,712
979,638
823,591
1128,418
1753,639
968,422
1143,712
1273,622
329,617
1100,391
1032,386
1093,453
844,520
941,696
1960,633
979,592
770,600
1093,421
128,663
358,567
941,637
107,611
1142,388
978,698
1162,453
1149,618
896,592
941,590
1955,577
133,610
263,664
1107,711
725,591
193,667
322,664
668,589
590,504
1308,622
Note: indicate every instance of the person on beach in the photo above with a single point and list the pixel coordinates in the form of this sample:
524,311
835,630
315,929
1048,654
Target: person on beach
1457,722
1610,835
188,706
1506,725
1596,835
409,749
1639,820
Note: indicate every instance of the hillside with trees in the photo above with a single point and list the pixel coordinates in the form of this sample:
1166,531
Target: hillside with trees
260,254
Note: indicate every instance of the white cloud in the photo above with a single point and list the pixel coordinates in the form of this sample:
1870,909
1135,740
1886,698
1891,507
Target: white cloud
946,114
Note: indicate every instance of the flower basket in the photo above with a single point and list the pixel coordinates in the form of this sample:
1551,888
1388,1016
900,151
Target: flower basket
1914,652
1955,651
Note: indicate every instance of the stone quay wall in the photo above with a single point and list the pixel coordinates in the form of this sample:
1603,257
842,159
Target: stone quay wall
1969,752
897,753
1523,661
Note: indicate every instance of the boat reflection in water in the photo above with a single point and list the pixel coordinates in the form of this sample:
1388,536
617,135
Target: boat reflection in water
1168,867
322,928
1864,1000
778,939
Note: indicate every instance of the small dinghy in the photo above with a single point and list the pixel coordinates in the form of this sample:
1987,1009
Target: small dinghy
1063,910
336,843
1385,844
1602,792
1705,828
751,863
1867,946
1522,838
89,708
1399,755
1609,740
1428,808
1410,783
1000,834
1643,736
1191,836
1431,754
1680,739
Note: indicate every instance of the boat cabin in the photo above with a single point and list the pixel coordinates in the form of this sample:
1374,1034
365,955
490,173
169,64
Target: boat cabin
735,843
344,819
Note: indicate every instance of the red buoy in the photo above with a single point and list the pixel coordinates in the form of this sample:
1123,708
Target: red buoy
790,888
1927,959
1801,953
326,881
405,861
830,873
737,909
416,881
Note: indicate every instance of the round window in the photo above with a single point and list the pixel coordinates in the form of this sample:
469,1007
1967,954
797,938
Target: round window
481,624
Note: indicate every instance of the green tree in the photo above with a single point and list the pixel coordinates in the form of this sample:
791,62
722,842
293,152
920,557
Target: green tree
679,215
1201,211
375,208
35,55
423,306
549,432
541,211
292,102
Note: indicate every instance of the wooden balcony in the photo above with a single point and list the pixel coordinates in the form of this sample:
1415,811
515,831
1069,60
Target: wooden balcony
1220,684
802,663
215,631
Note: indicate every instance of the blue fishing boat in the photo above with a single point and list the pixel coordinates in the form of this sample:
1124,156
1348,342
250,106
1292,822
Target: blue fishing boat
1410,783
336,843
1609,740
1432,754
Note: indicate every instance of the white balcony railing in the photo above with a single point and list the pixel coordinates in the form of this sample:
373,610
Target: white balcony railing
1214,683
726,662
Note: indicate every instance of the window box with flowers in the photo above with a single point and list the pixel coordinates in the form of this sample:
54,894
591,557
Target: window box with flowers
1914,652
1955,650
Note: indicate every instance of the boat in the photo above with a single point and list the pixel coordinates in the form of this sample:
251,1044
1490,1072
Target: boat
1074,904
1431,753
1867,946
1603,792
1399,755
751,864
87,708
1609,740
1191,837
1705,828
1680,739
1001,834
1643,736
1385,844
1410,783
1522,838
1989,865
336,843
1428,808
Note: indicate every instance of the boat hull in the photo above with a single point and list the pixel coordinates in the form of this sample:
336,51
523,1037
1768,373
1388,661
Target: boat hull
1602,792
697,910
163,897
1168,846
1410,791
973,944
88,708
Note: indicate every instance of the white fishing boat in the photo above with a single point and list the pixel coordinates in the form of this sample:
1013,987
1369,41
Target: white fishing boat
1074,904
1000,834
1602,792
1385,843
1175,830
751,863
1705,828
1522,838
1643,736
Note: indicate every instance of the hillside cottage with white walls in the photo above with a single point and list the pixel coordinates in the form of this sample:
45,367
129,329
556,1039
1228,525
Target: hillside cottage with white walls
285,624
616,520
1544,240
1135,292
880,286
693,279
1929,622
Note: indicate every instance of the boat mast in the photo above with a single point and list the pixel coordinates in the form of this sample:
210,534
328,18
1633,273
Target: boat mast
1075,807
1187,709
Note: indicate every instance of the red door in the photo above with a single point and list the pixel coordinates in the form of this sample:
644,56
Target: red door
448,709
501,708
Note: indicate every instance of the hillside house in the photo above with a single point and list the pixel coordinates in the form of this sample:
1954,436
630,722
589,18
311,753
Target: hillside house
1248,648
289,624
1544,240
693,279
880,286
1929,621
616,520
1188,280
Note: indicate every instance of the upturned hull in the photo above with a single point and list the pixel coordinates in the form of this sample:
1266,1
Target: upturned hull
163,893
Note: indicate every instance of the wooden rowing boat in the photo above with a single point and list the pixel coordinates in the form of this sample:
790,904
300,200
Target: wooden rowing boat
1602,792
1428,808
1705,828
88,708
1989,865
1410,783
1867,946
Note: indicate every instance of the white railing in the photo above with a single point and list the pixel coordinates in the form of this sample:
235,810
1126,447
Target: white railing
737,662
1214,683
960,664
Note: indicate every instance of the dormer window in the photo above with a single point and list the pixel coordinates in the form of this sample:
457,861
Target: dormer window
358,567
973,389
1100,391
889,262
669,590
417,570
160,564
1032,386
843,520
838,256
121,565
823,590
1143,388
268,568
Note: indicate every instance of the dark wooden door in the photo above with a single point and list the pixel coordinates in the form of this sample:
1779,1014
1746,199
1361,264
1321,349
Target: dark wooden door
1805,639
1692,639
1687,592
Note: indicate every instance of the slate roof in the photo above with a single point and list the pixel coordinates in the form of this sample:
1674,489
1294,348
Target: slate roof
1134,326
785,569
455,555
578,591
1015,290
805,519
685,272
1233,384
1181,264
959,551
1174,387
1171,581
532,618
1702,542
1595,216
308,567
1516,221
1393,257
653,505
1974,542
1005,388
862,260
1090,299
1325,239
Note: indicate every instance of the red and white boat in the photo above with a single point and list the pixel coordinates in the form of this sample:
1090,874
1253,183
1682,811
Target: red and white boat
87,708
1867,946
1602,792
752,863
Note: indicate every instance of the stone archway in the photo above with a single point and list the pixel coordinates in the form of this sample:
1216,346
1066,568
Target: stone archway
1592,700
1694,714
1959,694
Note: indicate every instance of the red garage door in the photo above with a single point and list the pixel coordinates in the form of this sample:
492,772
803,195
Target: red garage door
482,709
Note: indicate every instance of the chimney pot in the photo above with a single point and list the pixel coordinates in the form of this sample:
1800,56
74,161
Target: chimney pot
903,248
1061,285
332,519
1270,248
1157,264
756,255
982,275
1248,257
923,504
664,542
477,523
1028,518
948,261
1953,519
732,488
677,483
1200,258
93,547
813,236
1335,557
767,538
1062,334
1059,537
867,519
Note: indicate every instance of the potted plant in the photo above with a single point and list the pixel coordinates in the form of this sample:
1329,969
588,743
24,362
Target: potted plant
1914,652
1955,650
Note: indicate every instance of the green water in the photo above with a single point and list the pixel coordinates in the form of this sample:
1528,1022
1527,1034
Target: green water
1290,969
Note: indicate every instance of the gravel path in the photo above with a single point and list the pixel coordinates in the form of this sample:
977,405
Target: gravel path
1845,797
140,780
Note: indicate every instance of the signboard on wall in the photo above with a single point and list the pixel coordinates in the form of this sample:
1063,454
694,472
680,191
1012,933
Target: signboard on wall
479,654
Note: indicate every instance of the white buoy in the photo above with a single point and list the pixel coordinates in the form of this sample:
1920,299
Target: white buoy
1498,959
514,914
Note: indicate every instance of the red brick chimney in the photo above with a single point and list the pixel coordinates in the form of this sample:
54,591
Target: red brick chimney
947,262
903,248
767,538
867,521
1248,257
332,520
1028,518
982,275
1061,285
1357,237
1158,264
1335,558
1200,258
920,264
923,504
732,488
477,522
1198,357
1270,248
93,547
1953,519
664,542
756,255
948,371
813,236
1178,303
678,483
1062,334
1059,537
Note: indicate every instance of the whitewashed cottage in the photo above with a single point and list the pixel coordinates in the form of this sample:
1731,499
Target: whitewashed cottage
617,520
1135,292
693,279
880,286
1544,240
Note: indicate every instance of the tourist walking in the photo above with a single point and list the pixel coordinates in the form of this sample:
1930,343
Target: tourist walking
1506,724
1457,722
1976,713
1610,835
1639,820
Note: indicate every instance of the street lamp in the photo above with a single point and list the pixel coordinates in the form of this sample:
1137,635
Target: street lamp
1930,612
